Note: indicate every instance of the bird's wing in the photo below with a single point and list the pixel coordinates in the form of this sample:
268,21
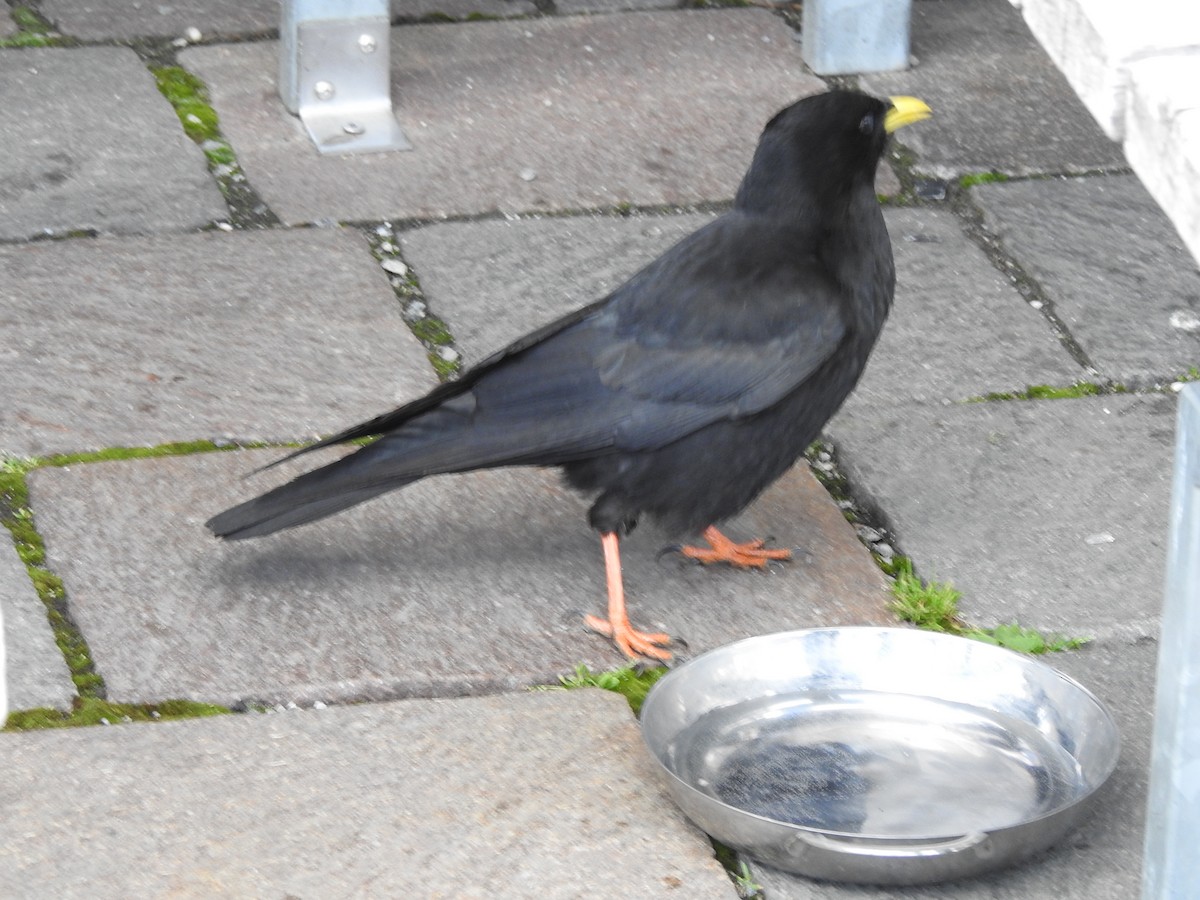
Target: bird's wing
753,320
725,324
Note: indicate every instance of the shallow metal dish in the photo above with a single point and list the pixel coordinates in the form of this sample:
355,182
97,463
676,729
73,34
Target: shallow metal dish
878,755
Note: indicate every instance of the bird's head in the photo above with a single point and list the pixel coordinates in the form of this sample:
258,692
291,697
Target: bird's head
824,145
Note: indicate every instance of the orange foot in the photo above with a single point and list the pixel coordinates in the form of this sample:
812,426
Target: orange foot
752,553
629,641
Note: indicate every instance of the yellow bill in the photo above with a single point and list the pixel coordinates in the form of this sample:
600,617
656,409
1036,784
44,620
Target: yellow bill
905,111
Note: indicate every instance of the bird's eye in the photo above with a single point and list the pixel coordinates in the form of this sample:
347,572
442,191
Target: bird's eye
867,125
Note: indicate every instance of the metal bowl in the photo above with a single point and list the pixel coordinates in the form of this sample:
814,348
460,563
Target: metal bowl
878,755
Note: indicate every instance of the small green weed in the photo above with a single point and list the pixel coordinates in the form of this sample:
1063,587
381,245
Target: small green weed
736,869
1025,640
747,888
631,683
934,607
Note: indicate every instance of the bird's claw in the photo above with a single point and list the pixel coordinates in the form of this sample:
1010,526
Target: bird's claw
751,554
631,642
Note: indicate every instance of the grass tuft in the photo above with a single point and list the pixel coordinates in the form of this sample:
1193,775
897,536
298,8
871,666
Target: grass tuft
933,606
630,682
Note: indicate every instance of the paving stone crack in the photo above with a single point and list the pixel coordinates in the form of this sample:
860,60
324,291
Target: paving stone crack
189,97
432,331
971,218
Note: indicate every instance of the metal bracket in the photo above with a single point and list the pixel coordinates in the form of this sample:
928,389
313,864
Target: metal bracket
334,74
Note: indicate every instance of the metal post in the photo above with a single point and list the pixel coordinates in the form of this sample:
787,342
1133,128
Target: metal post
841,37
334,74
1172,855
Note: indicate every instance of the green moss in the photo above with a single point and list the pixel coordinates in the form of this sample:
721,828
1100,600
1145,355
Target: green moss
34,30
446,369
432,330
178,448
630,682
179,85
219,153
189,97
427,328
975,178
17,517
94,711
1051,392
29,39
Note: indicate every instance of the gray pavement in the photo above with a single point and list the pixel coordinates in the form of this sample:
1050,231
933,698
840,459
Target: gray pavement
480,797
79,156
411,628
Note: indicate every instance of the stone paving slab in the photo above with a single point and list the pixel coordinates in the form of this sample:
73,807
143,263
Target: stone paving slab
544,795
563,113
88,143
1050,513
958,328
464,584
36,672
263,335
1100,859
999,103
1113,265
103,20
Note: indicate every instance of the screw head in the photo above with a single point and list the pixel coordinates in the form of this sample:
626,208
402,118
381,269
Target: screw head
323,90
353,128
366,43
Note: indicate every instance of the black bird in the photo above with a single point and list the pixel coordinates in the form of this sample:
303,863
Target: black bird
687,390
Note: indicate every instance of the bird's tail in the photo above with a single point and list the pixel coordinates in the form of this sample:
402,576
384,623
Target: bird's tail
312,496
439,442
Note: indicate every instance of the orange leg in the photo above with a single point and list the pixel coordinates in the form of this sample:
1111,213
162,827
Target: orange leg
723,549
632,643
